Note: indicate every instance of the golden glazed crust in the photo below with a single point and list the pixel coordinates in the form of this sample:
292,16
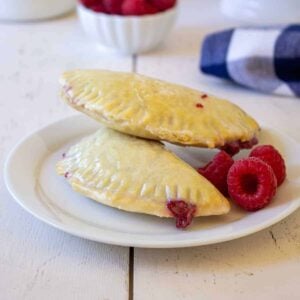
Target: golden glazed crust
136,175
154,109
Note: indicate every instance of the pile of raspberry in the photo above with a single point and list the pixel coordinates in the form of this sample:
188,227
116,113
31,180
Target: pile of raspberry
250,182
128,7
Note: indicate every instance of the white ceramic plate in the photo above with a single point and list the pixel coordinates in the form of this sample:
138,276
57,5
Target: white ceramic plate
31,179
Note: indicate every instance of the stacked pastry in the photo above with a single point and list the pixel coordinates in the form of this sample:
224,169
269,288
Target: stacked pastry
125,165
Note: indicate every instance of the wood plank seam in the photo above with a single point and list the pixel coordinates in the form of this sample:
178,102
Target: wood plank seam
131,249
131,273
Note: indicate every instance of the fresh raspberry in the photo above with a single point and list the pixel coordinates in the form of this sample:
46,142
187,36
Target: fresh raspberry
98,8
95,5
137,8
272,157
151,9
90,3
113,6
182,211
163,4
251,183
216,171
233,148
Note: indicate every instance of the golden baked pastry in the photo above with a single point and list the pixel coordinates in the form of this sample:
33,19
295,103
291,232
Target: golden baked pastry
137,175
154,109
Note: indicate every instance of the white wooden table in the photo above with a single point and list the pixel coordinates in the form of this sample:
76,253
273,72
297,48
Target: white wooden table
40,262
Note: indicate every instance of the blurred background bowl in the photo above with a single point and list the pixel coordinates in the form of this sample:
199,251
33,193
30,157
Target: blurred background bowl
262,12
28,10
127,34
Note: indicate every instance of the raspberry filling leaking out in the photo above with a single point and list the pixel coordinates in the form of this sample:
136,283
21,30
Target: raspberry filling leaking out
182,212
233,148
199,105
67,175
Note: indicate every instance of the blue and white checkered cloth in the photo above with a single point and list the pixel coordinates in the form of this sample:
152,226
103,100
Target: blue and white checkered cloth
262,58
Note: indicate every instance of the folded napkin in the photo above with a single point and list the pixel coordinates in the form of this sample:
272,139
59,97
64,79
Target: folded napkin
262,58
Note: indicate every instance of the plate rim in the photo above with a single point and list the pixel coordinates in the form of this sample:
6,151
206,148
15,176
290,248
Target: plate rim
193,242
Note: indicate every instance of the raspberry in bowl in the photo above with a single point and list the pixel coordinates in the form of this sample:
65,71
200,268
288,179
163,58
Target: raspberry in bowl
128,26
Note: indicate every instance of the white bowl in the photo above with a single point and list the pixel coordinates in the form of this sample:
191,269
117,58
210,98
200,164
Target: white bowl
262,12
127,34
25,10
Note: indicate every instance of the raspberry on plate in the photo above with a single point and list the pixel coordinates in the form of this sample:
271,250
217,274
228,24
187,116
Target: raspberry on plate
163,4
251,183
182,211
138,8
272,157
216,171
